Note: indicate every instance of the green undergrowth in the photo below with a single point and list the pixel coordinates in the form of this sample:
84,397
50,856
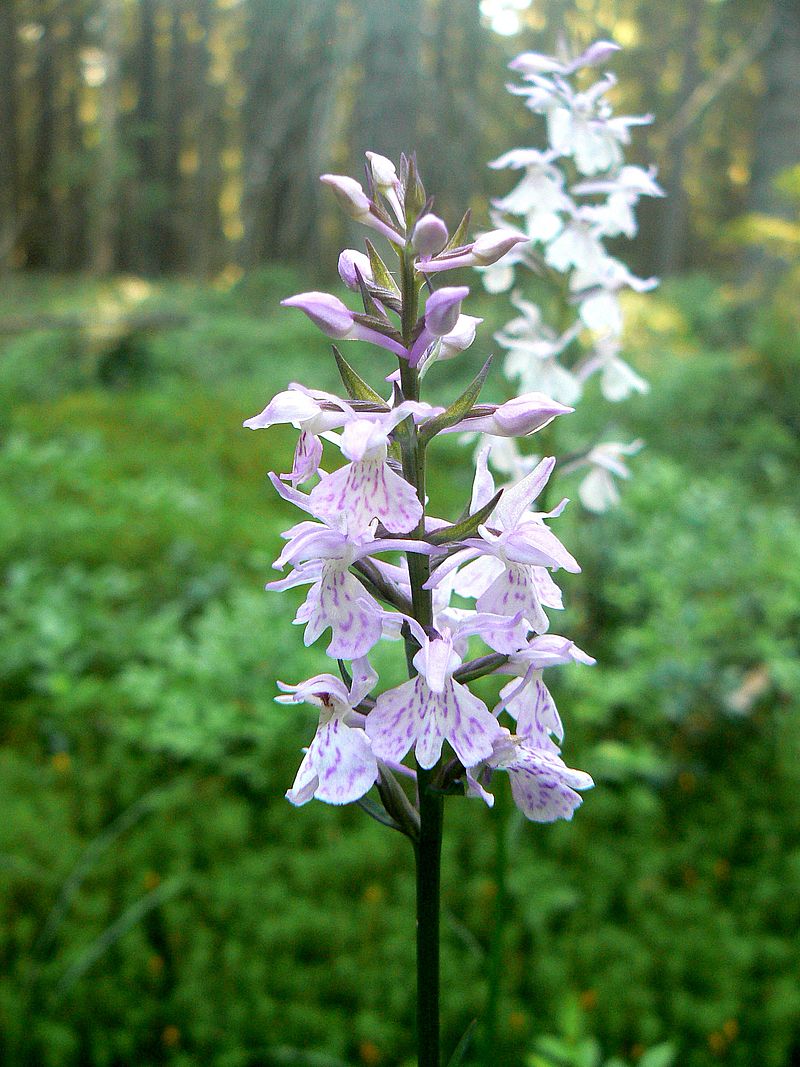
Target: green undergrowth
161,903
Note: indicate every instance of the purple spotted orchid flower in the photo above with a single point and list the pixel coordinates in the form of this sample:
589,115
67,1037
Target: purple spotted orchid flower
506,568
313,413
433,707
544,788
322,555
527,699
339,765
367,488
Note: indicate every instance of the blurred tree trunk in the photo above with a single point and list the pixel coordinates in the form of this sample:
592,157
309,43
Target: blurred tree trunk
296,66
69,245
675,209
141,237
451,159
777,136
266,121
388,104
38,220
174,222
210,139
106,201
9,143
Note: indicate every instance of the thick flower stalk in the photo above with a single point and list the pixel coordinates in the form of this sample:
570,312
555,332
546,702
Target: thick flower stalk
379,566
572,196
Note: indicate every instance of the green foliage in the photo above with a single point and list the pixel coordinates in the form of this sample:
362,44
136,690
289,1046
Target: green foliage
159,900
575,1048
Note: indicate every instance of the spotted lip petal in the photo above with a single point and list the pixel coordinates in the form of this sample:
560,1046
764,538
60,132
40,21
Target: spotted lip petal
338,768
307,458
353,616
544,787
413,714
365,490
514,592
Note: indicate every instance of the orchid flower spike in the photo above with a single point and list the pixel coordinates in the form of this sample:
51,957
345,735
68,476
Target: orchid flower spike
377,565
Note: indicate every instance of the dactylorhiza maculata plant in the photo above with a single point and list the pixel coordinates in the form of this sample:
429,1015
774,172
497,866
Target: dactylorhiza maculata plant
574,195
380,566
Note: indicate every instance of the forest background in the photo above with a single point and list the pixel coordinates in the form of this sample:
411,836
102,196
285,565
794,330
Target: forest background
159,900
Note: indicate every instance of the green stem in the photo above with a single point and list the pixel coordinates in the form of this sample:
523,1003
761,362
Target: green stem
428,847
428,857
413,451
490,1056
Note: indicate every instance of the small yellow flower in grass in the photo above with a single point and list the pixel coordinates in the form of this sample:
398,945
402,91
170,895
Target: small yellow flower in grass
170,1036
690,878
151,880
722,868
588,999
717,1042
488,890
517,1021
373,893
369,1053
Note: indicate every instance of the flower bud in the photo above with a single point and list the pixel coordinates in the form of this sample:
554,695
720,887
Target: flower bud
349,260
383,171
490,247
355,203
459,338
429,236
327,312
443,309
351,197
516,418
530,63
526,414
596,54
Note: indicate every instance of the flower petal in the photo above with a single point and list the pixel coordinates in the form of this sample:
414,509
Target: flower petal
517,499
305,782
514,592
534,543
393,723
469,726
344,763
363,491
353,616
544,787
536,714
307,458
475,578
